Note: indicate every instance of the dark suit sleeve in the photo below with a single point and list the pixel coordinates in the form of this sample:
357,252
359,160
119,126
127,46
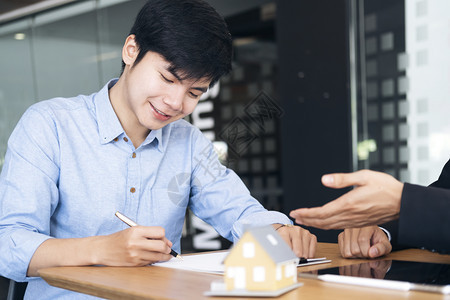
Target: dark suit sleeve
425,218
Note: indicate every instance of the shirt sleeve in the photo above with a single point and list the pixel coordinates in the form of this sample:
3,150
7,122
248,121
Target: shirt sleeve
220,198
424,218
28,192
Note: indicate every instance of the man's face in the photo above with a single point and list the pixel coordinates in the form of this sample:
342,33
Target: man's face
156,96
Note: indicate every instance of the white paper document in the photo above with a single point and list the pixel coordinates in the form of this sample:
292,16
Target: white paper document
207,262
213,262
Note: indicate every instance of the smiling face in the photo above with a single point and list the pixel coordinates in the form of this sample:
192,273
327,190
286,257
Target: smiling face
150,95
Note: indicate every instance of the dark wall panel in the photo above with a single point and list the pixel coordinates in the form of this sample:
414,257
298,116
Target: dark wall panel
313,86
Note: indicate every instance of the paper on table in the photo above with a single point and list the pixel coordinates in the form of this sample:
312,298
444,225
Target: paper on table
207,262
213,262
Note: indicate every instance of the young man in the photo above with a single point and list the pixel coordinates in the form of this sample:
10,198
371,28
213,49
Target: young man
72,163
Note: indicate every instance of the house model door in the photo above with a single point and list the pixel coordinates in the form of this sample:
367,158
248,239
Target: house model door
239,278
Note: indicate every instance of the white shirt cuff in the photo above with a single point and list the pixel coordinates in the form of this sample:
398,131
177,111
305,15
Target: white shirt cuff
387,232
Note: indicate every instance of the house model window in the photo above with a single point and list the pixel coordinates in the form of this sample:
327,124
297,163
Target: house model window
259,274
272,239
248,250
290,270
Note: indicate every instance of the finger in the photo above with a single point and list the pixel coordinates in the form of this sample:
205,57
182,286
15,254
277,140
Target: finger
347,241
169,243
364,239
379,249
341,243
341,180
380,244
153,245
284,233
150,257
303,213
348,211
152,232
306,241
147,251
337,214
316,216
297,242
312,246
355,246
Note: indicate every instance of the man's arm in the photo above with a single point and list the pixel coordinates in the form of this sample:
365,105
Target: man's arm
137,246
425,218
376,199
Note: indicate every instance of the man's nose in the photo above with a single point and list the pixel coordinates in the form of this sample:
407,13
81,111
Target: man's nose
174,99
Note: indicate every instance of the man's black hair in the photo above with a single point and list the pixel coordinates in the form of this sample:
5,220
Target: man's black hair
189,34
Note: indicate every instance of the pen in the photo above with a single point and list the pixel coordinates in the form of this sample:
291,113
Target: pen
131,223
303,260
311,261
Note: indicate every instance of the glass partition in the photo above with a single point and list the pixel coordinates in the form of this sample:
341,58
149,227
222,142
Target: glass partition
17,77
403,92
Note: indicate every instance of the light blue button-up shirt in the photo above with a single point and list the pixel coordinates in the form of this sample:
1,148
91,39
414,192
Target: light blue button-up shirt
70,166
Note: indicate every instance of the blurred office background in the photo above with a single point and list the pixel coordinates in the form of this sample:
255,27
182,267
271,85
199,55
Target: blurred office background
318,86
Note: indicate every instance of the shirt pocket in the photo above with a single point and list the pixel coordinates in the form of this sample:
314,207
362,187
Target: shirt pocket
171,203
171,210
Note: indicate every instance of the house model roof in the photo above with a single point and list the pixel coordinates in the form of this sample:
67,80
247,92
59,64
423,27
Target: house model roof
272,243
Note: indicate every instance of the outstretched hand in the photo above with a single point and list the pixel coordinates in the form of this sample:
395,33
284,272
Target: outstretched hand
374,200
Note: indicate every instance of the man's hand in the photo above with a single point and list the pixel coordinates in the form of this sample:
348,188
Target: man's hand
301,241
374,200
366,242
135,246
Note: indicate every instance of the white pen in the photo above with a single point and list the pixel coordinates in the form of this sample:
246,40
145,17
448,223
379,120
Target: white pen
369,282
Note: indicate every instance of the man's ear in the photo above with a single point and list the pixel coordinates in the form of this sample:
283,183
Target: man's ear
130,50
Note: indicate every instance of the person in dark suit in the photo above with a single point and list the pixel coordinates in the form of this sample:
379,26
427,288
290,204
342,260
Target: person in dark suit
423,212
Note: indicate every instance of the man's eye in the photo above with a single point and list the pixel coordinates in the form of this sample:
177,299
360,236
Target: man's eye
165,79
193,95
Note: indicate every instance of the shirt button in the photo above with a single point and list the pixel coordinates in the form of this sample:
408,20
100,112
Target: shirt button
116,139
125,139
134,155
132,190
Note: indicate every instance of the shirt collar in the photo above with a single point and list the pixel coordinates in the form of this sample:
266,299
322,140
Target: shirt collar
109,126
156,135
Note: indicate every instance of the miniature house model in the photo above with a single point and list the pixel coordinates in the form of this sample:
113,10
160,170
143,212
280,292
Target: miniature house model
260,261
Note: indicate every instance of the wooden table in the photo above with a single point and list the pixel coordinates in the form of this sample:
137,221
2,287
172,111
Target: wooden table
164,283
